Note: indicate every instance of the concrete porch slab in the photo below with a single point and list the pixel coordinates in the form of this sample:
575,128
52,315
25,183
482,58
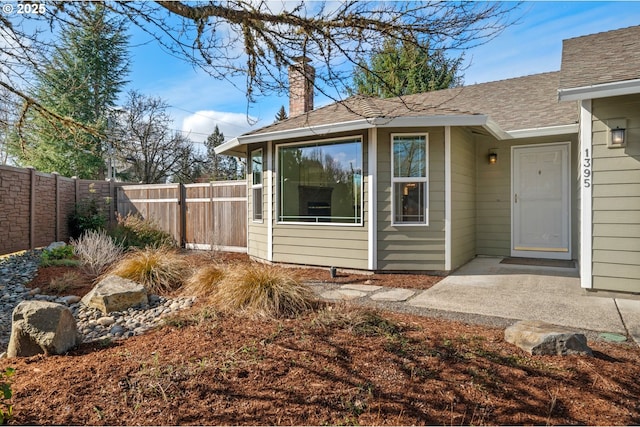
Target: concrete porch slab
630,312
553,295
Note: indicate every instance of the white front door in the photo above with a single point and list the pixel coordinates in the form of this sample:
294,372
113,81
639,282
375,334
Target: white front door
540,202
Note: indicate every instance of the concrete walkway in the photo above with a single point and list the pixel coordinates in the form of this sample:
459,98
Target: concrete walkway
484,287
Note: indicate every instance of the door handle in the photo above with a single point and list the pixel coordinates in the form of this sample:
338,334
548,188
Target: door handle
516,198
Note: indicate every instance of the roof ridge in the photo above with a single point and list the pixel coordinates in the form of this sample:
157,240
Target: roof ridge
601,33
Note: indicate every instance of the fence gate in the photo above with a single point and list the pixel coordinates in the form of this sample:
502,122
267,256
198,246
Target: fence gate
199,216
216,216
159,203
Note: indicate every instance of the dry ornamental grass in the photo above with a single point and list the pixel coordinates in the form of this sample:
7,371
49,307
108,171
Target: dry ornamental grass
263,290
160,271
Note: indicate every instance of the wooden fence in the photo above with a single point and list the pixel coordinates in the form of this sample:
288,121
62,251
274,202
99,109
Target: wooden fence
211,216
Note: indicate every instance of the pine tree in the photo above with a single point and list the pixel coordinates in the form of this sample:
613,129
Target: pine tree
220,167
82,81
282,115
404,69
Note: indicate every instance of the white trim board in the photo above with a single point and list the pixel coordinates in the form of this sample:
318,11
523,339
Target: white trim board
372,217
604,90
586,212
448,257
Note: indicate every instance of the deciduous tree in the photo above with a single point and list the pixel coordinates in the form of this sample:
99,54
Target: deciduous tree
260,40
145,142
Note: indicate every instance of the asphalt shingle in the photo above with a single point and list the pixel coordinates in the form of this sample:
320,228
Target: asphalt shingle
601,58
514,104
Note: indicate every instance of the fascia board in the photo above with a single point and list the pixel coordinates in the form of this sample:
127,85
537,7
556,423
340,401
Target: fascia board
232,146
495,130
424,121
544,131
605,90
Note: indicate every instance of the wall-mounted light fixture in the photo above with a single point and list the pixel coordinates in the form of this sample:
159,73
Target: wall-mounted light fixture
492,157
617,133
617,137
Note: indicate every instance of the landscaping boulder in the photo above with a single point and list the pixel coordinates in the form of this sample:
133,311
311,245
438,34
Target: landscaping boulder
540,338
114,293
41,327
55,245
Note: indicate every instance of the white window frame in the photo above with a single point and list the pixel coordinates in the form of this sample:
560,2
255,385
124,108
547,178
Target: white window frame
259,186
355,138
396,180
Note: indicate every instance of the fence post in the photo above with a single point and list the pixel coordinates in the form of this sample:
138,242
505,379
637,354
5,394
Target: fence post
32,209
182,214
76,181
57,218
112,203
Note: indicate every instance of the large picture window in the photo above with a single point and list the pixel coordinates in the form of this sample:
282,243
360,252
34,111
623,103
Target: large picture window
321,182
409,154
256,184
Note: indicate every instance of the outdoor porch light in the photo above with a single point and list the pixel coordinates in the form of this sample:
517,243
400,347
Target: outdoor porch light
617,132
492,157
618,137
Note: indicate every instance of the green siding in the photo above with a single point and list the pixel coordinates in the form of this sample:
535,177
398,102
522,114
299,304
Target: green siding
344,246
493,194
463,195
616,198
411,248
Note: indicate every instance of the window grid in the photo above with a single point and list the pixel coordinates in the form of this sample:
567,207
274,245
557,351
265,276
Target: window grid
409,190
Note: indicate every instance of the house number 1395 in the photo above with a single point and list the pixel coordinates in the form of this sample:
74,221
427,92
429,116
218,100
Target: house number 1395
586,169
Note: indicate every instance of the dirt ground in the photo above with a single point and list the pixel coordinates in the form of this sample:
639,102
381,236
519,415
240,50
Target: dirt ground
208,368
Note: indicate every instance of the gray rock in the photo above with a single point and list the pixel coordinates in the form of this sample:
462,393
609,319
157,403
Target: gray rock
106,321
540,338
70,299
114,293
117,330
55,245
42,327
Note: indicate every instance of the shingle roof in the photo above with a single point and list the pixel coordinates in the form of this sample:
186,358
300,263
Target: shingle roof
514,104
601,58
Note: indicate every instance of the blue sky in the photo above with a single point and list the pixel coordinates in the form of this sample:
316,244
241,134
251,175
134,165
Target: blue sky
533,45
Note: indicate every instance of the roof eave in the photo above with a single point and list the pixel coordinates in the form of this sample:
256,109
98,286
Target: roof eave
544,131
605,90
233,146
293,133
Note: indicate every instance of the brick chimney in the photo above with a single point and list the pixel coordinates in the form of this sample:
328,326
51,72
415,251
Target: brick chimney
301,78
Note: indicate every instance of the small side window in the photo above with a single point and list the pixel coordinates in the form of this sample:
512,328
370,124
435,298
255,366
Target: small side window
256,184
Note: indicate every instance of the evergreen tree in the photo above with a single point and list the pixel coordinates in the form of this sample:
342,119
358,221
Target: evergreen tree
282,115
401,68
82,81
220,167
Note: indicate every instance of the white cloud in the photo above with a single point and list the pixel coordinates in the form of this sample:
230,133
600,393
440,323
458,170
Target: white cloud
201,124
